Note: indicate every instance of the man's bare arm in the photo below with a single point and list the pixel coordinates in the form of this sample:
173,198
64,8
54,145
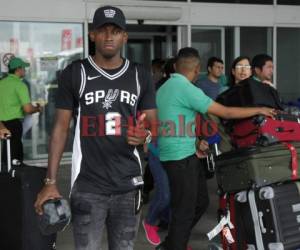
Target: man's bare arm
58,140
238,113
30,109
56,148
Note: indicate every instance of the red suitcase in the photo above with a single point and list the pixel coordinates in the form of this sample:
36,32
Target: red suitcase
261,130
232,236
226,204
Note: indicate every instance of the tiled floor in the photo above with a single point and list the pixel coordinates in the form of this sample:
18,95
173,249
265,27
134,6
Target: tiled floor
198,239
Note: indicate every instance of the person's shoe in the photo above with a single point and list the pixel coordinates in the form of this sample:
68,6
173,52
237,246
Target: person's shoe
151,233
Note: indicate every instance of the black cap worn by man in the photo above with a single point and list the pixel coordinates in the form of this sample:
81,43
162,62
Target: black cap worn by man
109,15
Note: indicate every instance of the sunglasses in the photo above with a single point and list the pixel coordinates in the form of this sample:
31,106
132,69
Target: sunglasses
243,66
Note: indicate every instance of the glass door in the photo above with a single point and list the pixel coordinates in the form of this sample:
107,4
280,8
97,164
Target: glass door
48,47
147,42
209,42
140,50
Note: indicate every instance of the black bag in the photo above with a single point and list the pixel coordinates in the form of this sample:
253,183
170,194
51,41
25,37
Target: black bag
56,216
19,186
251,93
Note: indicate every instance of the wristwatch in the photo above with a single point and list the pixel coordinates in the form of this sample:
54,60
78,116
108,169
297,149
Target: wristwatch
48,181
148,137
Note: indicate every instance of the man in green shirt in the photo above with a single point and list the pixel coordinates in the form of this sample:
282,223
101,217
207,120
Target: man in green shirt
177,100
14,104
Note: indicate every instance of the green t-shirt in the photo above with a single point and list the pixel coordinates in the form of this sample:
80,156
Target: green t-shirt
13,95
177,100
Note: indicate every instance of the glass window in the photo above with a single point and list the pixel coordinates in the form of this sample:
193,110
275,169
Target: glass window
237,1
208,42
256,40
49,48
155,41
288,2
229,49
288,63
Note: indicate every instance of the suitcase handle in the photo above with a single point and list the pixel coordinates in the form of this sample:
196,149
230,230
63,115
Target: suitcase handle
294,160
7,138
261,222
282,130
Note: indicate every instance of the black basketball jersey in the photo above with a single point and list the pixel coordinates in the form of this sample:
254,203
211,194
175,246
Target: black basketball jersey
103,161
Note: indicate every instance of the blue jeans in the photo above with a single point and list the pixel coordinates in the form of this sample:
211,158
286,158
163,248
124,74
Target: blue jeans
91,212
159,206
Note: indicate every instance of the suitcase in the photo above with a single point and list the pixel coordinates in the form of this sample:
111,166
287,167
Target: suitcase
229,225
270,217
19,186
261,130
257,166
251,93
226,204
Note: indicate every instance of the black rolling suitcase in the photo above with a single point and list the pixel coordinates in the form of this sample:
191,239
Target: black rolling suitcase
19,186
270,217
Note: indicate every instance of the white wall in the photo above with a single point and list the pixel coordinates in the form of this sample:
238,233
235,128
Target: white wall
43,10
154,12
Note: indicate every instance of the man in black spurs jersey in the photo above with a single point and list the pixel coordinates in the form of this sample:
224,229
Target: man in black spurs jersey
106,170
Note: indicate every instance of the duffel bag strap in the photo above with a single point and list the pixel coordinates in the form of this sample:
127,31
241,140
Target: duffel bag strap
294,160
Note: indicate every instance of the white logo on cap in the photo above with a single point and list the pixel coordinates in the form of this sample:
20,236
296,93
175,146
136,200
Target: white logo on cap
109,13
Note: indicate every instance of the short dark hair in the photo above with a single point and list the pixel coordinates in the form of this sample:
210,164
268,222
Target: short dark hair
169,67
188,52
260,60
12,71
158,64
212,60
158,61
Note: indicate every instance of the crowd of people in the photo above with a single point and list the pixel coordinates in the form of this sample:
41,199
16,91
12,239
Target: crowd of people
117,108
185,66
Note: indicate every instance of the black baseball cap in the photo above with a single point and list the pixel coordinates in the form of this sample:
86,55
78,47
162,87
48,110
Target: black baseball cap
109,14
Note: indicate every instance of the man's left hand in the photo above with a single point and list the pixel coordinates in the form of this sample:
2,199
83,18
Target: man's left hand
201,148
136,135
4,132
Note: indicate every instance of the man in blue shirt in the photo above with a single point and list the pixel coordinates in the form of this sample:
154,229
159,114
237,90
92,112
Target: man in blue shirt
210,85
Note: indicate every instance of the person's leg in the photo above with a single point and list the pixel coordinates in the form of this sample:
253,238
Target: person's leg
148,184
122,221
89,213
159,202
161,199
202,198
183,179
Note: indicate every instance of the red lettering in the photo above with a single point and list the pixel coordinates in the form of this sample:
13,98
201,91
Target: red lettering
88,126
